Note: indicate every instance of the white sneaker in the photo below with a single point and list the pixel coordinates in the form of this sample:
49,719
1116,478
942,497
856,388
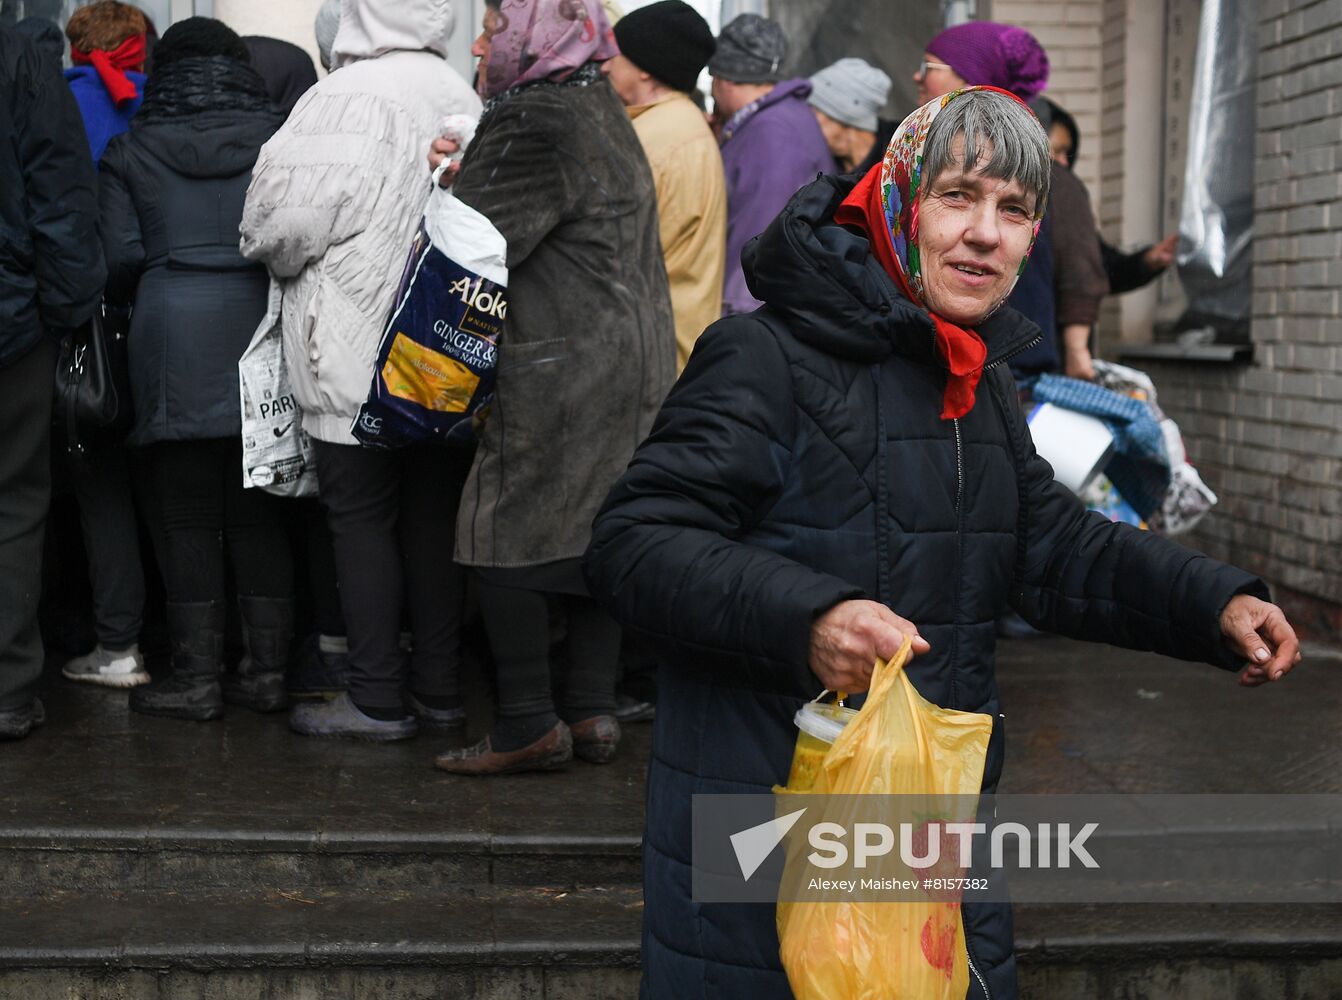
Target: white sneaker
121,668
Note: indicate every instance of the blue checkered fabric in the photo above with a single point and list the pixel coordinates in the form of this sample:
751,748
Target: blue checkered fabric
1140,467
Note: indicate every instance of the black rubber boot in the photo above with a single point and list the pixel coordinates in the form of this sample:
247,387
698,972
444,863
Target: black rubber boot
191,691
267,631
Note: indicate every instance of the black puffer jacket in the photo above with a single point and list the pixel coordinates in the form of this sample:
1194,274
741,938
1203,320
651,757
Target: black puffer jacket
51,266
172,190
801,460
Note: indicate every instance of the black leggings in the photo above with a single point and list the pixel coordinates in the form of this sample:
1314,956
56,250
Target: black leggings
518,622
202,503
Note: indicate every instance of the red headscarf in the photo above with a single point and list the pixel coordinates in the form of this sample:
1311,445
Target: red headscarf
884,205
112,65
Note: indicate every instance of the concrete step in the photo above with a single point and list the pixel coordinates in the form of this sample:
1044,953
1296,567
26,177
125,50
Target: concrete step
184,859
108,800
1180,952
495,944
510,944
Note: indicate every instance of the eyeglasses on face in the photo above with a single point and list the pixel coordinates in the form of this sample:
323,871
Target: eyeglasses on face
924,66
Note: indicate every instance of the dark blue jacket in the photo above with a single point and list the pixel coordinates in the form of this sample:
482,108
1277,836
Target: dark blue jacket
1034,298
800,461
172,190
103,119
51,264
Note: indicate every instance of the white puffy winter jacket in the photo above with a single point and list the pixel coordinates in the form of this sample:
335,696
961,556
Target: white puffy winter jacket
337,194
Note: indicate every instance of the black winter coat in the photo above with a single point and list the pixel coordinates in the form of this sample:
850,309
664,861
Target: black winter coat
172,190
51,266
800,461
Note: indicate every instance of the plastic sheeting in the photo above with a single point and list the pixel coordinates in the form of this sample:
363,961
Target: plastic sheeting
1216,225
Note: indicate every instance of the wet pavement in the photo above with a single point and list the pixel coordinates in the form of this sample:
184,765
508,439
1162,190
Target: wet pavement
134,842
1079,718
1087,718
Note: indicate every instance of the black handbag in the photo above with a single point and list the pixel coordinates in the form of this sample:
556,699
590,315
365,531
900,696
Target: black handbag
92,405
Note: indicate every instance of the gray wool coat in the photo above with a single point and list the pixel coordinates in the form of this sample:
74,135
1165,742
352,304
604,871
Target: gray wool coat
588,347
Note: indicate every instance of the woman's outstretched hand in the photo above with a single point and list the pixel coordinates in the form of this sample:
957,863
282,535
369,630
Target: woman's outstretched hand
440,150
848,639
1260,633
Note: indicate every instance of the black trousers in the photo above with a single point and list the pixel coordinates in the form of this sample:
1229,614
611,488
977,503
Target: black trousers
203,507
393,519
25,494
101,480
318,592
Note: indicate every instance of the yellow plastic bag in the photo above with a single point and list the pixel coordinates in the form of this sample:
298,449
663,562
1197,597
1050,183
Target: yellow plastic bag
898,744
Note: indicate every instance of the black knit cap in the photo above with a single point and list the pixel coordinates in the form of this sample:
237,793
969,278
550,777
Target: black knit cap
199,36
668,39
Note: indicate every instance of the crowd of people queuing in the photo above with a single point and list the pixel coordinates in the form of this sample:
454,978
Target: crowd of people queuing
754,403
167,181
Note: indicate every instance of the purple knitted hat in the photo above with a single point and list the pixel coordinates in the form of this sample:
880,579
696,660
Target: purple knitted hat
994,55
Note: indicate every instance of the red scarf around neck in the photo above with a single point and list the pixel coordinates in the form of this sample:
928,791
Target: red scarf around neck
112,65
963,350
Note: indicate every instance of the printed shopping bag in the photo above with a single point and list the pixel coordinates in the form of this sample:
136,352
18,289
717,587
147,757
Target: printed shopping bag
277,453
435,366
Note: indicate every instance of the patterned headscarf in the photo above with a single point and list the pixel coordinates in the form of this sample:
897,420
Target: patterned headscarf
884,204
544,40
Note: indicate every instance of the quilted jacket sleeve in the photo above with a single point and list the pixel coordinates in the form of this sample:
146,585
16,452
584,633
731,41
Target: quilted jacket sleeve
318,180
119,227
665,553
1084,576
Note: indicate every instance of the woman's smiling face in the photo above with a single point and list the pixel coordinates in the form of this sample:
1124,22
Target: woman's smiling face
973,233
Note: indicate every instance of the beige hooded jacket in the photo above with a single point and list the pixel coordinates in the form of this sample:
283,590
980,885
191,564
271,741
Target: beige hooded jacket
337,194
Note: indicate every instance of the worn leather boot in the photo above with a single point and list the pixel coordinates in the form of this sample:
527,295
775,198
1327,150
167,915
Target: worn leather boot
267,632
192,690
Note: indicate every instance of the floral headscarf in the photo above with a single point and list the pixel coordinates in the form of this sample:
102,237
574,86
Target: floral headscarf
884,204
544,40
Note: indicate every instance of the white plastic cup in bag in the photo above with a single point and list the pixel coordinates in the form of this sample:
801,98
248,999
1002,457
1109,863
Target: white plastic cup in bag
819,726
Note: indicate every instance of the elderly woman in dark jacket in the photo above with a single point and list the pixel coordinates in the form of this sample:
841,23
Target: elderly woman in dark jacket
586,357
849,465
172,191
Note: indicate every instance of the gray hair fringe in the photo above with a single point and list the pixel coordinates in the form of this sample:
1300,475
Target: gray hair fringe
997,128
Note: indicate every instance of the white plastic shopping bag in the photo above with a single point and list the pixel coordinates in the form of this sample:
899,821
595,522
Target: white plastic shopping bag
277,453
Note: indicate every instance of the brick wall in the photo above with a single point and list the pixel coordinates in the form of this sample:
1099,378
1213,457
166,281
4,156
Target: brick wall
1108,199
1268,436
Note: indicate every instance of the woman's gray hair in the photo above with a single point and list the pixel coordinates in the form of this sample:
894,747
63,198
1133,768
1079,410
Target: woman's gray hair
993,124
